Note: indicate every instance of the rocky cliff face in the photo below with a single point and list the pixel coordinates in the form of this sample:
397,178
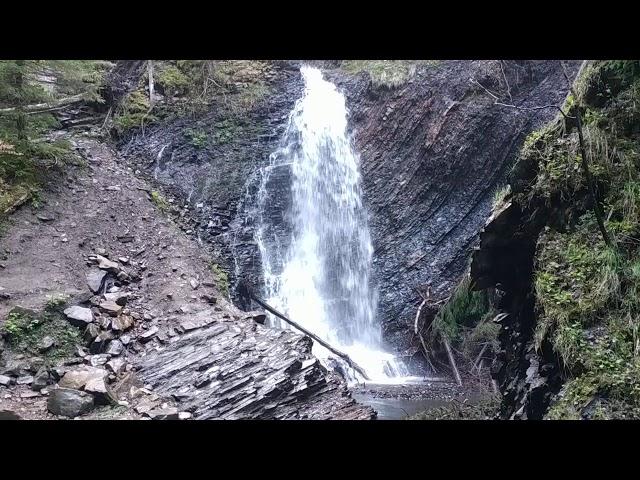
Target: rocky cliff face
433,151
568,340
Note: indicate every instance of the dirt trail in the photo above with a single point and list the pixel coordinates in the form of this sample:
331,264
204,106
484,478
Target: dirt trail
105,208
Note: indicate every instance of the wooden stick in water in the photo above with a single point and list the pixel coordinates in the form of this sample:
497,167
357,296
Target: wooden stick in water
340,354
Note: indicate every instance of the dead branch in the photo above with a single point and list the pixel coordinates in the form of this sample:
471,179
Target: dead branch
452,361
340,354
22,199
597,210
479,357
46,107
504,76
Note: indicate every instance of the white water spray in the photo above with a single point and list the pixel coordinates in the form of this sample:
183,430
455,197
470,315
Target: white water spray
320,275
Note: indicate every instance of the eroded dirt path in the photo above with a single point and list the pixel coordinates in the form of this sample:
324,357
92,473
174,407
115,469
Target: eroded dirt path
189,347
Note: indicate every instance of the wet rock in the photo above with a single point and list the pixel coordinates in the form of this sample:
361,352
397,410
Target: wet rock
46,343
25,380
115,348
258,317
94,279
79,316
148,335
122,323
69,403
169,413
5,381
41,380
210,371
110,307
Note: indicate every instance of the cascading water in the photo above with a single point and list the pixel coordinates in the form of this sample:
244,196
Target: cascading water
317,271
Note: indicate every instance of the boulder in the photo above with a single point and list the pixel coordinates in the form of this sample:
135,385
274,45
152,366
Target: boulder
5,381
79,316
69,403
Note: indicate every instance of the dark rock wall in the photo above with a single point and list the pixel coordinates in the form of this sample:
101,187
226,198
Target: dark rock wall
433,152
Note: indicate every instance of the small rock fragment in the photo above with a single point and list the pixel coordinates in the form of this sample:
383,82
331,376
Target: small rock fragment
169,413
148,335
110,307
115,348
46,343
122,323
116,365
94,279
79,316
25,380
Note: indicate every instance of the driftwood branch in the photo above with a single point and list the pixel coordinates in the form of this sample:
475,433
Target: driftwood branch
452,361
340,354
418,332
46,107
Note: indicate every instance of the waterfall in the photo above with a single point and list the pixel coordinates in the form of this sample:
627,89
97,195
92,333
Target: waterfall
317,254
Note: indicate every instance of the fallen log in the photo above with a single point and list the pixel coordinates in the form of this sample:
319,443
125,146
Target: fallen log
340,354
452,361
47,107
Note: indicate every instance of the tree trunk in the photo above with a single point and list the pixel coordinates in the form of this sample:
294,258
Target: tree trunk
151,82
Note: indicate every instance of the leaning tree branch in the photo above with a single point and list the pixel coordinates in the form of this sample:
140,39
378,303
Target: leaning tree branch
340,354
585,162
46,107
